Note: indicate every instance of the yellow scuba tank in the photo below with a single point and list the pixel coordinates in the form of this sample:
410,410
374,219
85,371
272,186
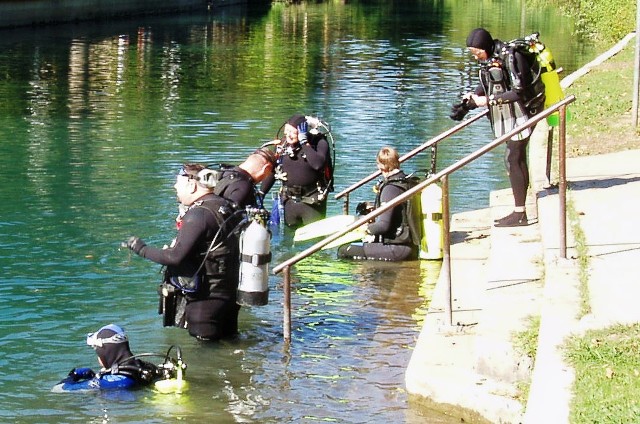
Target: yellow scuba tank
173,370
549,75
432,224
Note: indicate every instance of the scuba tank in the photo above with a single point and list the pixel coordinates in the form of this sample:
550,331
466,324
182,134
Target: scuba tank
255,255
172,371
552,88
432,224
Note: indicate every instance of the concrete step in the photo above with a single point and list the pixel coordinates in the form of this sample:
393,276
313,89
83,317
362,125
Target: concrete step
511,294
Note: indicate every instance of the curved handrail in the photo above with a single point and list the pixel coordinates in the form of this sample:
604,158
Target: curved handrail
417,150
420,186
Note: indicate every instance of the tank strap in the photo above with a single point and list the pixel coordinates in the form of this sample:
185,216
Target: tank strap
257,258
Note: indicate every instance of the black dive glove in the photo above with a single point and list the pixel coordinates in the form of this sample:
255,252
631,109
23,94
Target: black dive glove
135,244
78,374
460,110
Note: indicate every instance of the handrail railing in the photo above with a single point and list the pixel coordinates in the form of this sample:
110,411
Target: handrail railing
415,151
560,106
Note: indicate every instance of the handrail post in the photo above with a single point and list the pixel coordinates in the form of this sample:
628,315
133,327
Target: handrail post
345,206
562,183
445,270
549,157
286,325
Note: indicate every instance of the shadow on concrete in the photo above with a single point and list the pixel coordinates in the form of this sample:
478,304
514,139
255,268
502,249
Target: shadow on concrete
463,236
588,184
601,183
633,246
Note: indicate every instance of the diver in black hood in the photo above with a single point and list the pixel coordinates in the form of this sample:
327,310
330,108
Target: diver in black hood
120,368
510,87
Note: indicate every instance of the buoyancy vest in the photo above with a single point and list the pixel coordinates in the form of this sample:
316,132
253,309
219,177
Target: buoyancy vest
525,76
217,273
142,372
316,192
222,262
407,230
134,374
513,68
229,177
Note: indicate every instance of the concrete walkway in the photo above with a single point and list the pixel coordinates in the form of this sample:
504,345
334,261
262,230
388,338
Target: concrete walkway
603,190
502,277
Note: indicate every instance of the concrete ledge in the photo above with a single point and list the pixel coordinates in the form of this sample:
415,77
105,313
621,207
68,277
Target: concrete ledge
442,372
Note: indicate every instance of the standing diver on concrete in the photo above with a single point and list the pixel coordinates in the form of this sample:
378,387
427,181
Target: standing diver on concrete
510,86
202,262
304,167
389,236
120,368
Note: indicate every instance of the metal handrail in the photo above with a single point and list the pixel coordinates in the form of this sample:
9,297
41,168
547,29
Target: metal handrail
560,106
412,153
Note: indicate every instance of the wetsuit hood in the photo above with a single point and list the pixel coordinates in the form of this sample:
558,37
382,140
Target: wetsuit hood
480,38
296,120
111,345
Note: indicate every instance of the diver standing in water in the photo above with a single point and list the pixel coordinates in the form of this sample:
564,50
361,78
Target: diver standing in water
510,86
203,261
304,168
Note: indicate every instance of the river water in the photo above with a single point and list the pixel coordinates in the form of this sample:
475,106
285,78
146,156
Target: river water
95,120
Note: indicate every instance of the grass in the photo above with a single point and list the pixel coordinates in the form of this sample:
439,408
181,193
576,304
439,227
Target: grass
526,342
601,115
582,252
607,366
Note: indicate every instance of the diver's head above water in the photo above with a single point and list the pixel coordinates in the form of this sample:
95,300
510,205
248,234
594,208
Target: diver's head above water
111,345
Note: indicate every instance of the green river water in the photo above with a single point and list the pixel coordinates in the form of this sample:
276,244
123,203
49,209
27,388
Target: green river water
95,120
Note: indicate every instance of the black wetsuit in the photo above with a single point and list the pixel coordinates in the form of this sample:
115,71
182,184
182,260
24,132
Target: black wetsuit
303,192
237,186
519,78
393,240
211,310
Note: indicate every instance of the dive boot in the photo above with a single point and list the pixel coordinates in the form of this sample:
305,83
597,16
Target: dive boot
515,219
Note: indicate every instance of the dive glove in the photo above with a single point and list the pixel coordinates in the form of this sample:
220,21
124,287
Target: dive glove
78,374
135,244
302,132
460,110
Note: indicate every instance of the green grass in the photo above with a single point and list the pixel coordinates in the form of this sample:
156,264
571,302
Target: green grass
601,120
526,342
607,366
582,257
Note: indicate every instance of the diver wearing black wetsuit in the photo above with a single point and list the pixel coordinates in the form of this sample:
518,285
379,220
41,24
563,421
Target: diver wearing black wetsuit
211,311
513,93
390,231
302,169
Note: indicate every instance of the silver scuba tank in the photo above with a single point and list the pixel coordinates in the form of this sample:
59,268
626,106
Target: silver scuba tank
255,255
